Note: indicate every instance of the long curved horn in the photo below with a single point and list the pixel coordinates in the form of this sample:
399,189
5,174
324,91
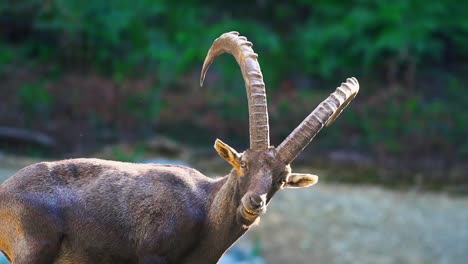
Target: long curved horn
242,51
324,114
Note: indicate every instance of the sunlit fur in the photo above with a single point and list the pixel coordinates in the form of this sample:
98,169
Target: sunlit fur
98,211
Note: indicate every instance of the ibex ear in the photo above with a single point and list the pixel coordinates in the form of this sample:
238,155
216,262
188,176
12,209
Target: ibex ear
299,180
228,153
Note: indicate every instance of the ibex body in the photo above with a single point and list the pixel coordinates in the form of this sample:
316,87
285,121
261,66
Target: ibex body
97,211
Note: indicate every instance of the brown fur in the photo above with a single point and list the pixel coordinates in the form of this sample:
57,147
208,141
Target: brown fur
98,211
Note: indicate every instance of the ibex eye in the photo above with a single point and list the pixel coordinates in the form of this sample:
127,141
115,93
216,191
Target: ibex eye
243,164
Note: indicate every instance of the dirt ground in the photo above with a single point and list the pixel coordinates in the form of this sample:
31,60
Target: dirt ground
340,224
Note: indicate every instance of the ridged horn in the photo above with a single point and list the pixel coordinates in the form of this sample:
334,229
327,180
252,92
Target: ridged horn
324,114
241,49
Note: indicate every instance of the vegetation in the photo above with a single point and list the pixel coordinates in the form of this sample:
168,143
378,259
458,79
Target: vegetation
109,70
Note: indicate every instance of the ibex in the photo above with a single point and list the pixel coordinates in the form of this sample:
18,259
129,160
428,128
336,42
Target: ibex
98,211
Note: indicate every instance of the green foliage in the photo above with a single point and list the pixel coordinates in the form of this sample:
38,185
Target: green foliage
35,99
121,153
328,37
365,34
416,125
145,105
6,54
302,45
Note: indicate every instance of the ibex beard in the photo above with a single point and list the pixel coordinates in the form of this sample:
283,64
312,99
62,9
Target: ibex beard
98,211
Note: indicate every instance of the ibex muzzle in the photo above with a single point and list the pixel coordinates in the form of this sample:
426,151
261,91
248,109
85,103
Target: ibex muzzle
98,211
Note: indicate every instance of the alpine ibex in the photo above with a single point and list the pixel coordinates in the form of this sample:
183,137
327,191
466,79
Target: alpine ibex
98,211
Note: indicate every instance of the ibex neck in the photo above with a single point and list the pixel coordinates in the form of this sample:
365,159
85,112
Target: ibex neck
224,201
221,229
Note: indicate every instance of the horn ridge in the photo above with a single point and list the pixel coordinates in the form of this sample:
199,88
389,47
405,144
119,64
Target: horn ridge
323,115
241,49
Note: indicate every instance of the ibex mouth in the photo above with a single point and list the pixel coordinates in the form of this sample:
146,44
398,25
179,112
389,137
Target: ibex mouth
249,214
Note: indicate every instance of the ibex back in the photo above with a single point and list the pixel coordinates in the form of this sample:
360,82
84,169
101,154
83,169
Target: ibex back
97,211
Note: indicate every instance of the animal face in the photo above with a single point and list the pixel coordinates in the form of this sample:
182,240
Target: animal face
259,175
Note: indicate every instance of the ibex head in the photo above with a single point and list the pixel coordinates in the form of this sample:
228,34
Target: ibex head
262,170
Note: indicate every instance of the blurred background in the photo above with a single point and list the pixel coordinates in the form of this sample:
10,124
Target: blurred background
120,80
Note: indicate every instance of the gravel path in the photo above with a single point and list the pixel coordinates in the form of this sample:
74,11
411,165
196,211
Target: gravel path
350,224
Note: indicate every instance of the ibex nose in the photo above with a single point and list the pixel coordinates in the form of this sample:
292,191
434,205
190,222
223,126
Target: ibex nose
256,201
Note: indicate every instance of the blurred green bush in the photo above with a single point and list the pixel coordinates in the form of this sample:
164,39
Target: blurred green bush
410,56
